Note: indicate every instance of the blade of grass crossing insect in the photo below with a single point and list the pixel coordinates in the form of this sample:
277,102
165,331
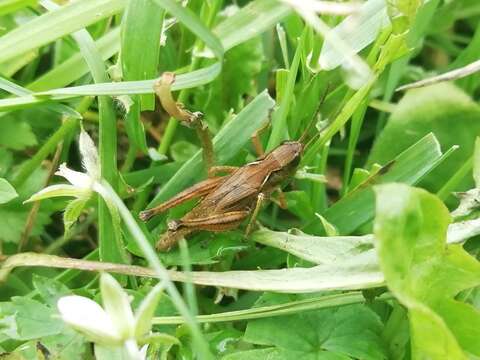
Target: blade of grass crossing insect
110,247
141,31
55,24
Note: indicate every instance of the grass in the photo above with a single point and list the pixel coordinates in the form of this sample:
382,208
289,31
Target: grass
370,264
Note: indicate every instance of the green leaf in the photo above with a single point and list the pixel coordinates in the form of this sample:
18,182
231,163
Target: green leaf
72,213
425,274
13,218
53,25
352,331
16,134
442,109
50,290
7,192
34,319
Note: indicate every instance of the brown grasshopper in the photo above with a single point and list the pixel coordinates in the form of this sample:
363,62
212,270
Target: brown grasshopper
229,200
226,201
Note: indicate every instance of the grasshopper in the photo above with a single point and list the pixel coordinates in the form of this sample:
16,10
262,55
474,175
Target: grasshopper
225,201
228,200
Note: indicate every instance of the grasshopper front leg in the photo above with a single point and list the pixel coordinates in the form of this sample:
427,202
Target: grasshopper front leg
162,88
178,229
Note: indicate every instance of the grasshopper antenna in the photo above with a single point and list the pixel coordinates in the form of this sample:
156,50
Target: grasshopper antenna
314,119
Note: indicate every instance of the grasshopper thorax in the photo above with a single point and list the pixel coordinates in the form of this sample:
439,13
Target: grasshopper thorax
288,153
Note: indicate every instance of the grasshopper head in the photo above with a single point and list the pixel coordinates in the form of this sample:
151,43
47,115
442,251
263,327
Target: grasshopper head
288,153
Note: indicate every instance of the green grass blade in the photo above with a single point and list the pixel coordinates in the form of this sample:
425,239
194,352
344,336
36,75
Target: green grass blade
53,25
75,67
141,31
279,118
109,250
250,21
191,21
18,90
409,167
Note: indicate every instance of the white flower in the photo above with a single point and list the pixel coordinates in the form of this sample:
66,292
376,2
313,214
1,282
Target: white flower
115,324
81,184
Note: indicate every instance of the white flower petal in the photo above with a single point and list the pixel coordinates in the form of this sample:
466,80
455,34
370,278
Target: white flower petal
117,305
133,352
89,154
144,314
76,178
88,317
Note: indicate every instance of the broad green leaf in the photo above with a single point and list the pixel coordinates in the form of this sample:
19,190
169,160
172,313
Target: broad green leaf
53,25
442,109
50,290
15,134
341,333
425,274
13,218
7,191
34,319
219,247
